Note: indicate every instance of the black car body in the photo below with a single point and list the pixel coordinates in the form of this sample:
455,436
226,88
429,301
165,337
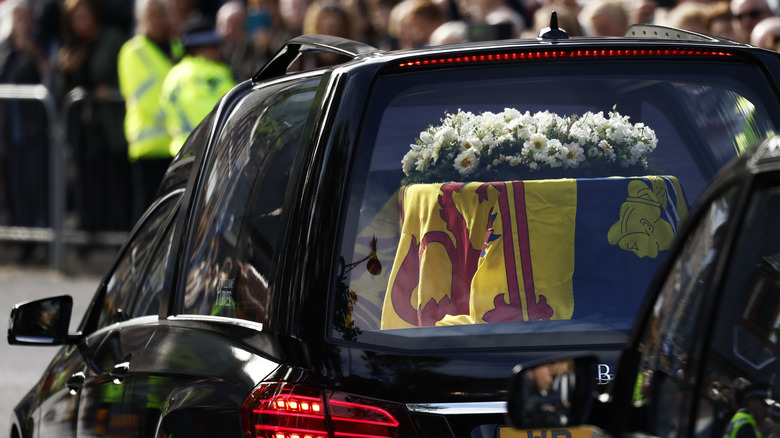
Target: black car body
706,337
307,272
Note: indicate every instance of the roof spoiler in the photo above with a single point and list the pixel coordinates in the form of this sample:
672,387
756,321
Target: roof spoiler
656,32
284,58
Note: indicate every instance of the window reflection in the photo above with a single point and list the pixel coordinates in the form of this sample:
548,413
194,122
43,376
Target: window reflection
241,202
661,379
741,361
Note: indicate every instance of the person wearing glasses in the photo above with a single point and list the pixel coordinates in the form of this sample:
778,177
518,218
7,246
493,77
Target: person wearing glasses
746,14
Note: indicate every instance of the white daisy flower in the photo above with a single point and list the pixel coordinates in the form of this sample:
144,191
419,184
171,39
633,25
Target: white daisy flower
466,162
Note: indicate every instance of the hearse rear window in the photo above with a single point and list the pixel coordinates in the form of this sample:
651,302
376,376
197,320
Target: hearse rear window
524,199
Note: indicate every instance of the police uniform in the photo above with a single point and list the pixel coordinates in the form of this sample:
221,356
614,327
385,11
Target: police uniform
193,86
743,424
142,67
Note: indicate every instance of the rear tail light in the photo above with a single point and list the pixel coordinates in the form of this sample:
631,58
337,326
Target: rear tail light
289,410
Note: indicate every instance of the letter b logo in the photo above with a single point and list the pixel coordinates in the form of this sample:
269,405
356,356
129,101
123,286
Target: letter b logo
604,376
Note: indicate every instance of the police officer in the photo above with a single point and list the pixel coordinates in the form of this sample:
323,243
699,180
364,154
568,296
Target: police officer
754,409
144,62
196,83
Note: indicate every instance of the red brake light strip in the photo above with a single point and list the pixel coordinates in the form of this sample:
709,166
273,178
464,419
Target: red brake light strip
564,54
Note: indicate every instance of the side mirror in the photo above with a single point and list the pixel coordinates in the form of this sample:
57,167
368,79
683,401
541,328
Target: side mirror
552,394
41,322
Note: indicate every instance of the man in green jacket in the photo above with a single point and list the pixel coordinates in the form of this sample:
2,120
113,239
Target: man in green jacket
144,61
194,85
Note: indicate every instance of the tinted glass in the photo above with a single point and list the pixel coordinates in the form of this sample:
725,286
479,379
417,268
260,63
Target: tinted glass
539,197
241,201
668,336
744,346
148,300
126,281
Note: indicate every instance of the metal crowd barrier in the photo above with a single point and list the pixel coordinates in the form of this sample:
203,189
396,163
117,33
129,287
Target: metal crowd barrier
55,234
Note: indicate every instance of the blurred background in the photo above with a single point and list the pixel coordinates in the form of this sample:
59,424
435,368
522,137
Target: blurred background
85,83
88,94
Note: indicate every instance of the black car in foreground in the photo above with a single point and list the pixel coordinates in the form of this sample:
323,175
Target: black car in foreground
368,249
706,341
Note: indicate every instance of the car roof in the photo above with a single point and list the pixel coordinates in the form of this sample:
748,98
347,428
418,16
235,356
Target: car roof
550,37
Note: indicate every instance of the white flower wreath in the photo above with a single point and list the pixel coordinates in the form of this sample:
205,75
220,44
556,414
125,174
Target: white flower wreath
514,144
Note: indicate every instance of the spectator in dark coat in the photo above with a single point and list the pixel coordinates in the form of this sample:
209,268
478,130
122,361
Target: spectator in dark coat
23,141
88,60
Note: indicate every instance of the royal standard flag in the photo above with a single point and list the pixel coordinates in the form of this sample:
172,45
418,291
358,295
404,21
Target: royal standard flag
528,250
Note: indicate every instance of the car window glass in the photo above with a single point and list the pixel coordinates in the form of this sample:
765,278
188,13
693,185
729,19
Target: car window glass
148,300
532,200
240,204
667,339
744,346
127,277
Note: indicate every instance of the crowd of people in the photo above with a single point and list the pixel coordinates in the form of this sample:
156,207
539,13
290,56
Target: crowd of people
147,71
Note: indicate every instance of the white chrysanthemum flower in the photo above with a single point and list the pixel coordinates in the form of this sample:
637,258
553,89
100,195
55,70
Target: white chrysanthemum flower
424,160
489,140
527,119
620,133
472,142
551,160
522,133
572,154
466,162
408,162
435,149
511,114
580,132
536,143
607,150
446,135
638,152
492,122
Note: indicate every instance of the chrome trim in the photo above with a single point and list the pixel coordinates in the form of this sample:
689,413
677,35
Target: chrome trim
218,319
498,407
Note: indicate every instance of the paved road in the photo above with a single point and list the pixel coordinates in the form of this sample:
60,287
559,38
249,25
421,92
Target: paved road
21,366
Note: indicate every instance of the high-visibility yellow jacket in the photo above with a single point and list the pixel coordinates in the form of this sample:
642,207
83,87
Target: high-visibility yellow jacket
189,93
143,67
739,420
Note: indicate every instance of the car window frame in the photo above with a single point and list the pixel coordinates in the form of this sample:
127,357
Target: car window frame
194,204
90,321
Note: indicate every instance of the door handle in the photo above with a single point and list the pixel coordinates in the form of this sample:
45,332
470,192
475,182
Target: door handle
76,382
119,371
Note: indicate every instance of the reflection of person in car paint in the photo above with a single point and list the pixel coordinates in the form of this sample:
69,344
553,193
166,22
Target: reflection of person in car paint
641,229
44,321
755,400
542,405
251,293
